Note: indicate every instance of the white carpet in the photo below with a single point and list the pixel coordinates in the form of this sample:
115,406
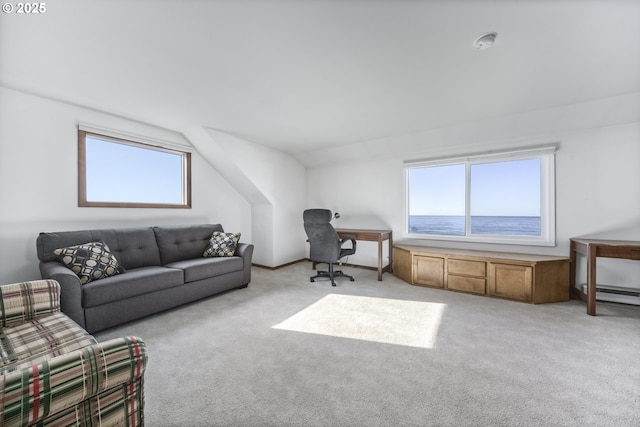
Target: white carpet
220,361
390,321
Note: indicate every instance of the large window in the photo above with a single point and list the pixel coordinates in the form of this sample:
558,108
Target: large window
498,198
116,172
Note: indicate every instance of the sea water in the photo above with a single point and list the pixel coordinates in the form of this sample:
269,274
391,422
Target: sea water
451,225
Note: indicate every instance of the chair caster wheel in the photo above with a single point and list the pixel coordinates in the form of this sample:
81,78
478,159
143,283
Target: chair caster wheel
311,280
353,280
333,284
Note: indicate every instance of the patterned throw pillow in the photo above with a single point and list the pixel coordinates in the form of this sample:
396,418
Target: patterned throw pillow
222,244
90,261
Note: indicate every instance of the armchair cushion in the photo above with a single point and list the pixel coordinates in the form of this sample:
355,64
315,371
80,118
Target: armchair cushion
40,339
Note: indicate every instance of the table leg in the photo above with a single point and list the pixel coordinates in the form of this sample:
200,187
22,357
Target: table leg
591,280
379,258
572,267
390,252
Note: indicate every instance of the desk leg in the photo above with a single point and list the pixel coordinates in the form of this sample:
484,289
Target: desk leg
572,268
391,252
380,259
591,280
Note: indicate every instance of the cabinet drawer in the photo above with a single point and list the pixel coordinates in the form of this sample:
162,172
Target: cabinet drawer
466,267
511,281
466,284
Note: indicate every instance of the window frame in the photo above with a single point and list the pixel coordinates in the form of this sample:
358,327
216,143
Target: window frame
131,141
546,155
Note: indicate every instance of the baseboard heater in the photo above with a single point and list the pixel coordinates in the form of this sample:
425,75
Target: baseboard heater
615,294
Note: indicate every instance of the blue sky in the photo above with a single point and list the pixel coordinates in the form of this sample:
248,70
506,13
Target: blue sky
510,188
143,175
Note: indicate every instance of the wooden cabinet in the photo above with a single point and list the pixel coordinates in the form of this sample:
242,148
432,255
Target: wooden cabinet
466,276
511,281
428,271
520,277
402,267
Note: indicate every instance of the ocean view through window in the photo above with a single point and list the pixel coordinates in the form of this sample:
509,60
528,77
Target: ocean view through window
455,225
504,198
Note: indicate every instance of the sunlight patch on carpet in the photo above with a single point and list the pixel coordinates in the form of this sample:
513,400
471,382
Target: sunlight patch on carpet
390,321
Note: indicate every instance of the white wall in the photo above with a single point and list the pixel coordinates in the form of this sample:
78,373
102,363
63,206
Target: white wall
38,182
597,180
281,180
273,182
597,177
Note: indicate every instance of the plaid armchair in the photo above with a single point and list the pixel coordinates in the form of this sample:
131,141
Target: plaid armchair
55,373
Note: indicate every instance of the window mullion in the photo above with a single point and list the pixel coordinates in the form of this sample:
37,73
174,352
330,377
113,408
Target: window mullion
467,202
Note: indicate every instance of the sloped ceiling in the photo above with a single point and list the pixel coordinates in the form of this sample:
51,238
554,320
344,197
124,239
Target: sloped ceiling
301,75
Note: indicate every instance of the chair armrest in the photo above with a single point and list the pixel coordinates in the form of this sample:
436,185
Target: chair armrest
349,239
20,302
32,394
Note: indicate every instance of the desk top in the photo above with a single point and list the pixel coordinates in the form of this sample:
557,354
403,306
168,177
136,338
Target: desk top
588,241
360,230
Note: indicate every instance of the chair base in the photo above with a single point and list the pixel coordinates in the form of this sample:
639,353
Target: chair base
331,274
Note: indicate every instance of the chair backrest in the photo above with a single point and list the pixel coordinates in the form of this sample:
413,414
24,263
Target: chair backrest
324,241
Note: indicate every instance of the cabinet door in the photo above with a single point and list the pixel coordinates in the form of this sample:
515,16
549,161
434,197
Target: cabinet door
402,264
511,281
428,271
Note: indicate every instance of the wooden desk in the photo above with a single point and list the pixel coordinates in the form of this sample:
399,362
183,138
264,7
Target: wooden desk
372,236
593,248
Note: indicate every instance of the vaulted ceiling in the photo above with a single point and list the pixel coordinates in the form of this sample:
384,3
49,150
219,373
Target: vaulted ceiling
301,75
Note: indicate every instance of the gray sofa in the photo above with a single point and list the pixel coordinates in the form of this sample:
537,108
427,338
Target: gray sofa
164,268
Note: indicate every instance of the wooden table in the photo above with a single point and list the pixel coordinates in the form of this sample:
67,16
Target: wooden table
593,248
372,236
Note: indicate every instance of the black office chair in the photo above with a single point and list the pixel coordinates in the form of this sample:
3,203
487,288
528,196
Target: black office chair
325,244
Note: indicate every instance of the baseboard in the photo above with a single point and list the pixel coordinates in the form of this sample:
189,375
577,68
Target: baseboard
366,267
614,294
266,267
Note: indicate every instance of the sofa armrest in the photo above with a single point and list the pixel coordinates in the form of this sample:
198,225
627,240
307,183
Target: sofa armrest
245,250
21,302
41,391
70,289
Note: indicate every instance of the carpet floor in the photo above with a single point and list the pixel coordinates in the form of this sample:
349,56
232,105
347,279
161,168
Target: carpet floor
287,352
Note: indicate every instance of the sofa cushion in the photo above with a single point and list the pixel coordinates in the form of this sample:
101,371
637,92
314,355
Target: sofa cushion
90,261
179,243
134,282
221,244
39,339
204,268
132,247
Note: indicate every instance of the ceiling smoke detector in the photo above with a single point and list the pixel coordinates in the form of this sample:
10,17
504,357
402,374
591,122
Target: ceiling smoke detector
485,41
